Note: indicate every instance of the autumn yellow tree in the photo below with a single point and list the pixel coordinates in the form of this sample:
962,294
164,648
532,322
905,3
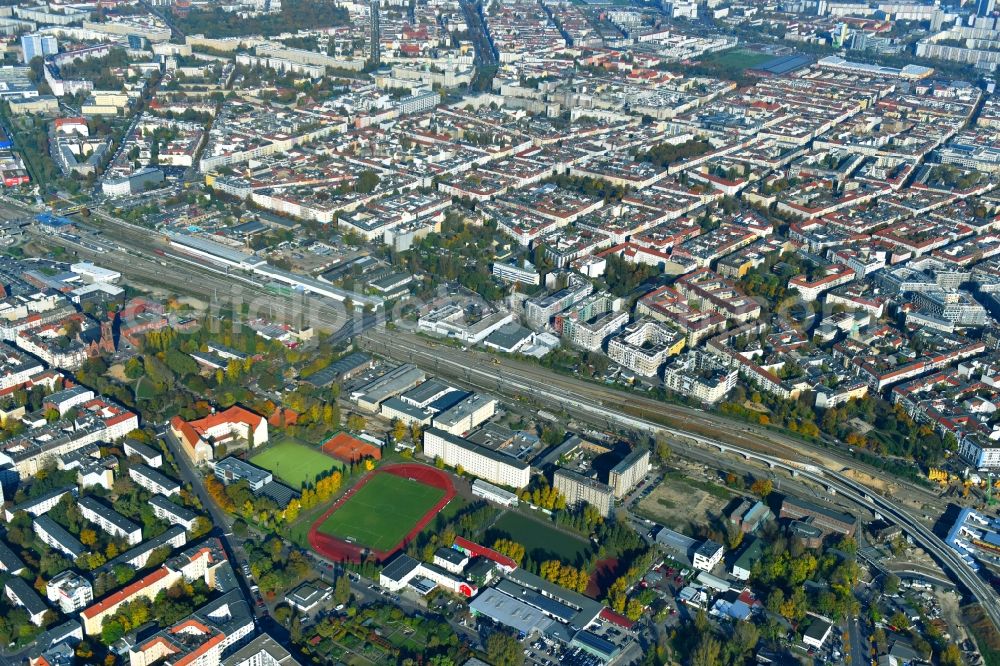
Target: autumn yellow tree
511,549
762,487
633,609
292,510
356,422
616,595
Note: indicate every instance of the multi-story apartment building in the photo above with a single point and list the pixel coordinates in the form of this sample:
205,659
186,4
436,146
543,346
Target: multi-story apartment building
717,294
21,594
644,346
37,506
417,102
983,455
477,460
668,305
701,376
67,399
832,276
628,473
16,367
150,456
261,651
153,481
110,520
96,421
200,561
173,513
52,346
52,534
538,312
137,557
201,639
524,274
591,321
70,591
577,488
10,562
956,307
38,46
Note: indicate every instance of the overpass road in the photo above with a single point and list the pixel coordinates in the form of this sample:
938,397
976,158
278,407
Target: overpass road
693,430
688,419
588,410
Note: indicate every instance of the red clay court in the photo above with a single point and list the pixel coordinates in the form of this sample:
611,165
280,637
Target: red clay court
339,549
350,449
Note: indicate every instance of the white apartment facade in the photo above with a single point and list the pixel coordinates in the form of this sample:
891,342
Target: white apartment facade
476,460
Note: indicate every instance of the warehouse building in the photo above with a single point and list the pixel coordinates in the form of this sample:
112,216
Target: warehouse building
822,517
467,414
391,384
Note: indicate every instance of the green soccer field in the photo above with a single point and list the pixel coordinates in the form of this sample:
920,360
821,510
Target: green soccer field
736,58
381,512
295,464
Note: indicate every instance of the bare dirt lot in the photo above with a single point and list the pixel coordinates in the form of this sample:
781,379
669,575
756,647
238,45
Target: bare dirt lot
685,502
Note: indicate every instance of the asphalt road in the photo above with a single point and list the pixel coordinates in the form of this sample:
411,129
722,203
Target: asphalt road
232,544
507,371
550,393
856,641
594,404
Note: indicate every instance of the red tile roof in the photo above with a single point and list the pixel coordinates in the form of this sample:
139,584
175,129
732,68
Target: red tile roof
616,618
124,594
234,414
189,436
483,551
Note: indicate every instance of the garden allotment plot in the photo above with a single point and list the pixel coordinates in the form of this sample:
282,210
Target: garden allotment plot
382,511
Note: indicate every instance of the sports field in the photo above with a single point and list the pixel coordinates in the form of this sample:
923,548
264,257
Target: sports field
540,540
736,58
295,464
381,512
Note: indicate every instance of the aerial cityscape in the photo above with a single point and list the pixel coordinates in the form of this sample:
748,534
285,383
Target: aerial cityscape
499,332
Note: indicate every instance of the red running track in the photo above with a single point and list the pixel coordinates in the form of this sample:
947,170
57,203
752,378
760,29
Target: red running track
339,550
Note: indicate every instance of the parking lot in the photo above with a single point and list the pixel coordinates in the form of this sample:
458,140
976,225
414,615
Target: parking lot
543,654
580,658
549,652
